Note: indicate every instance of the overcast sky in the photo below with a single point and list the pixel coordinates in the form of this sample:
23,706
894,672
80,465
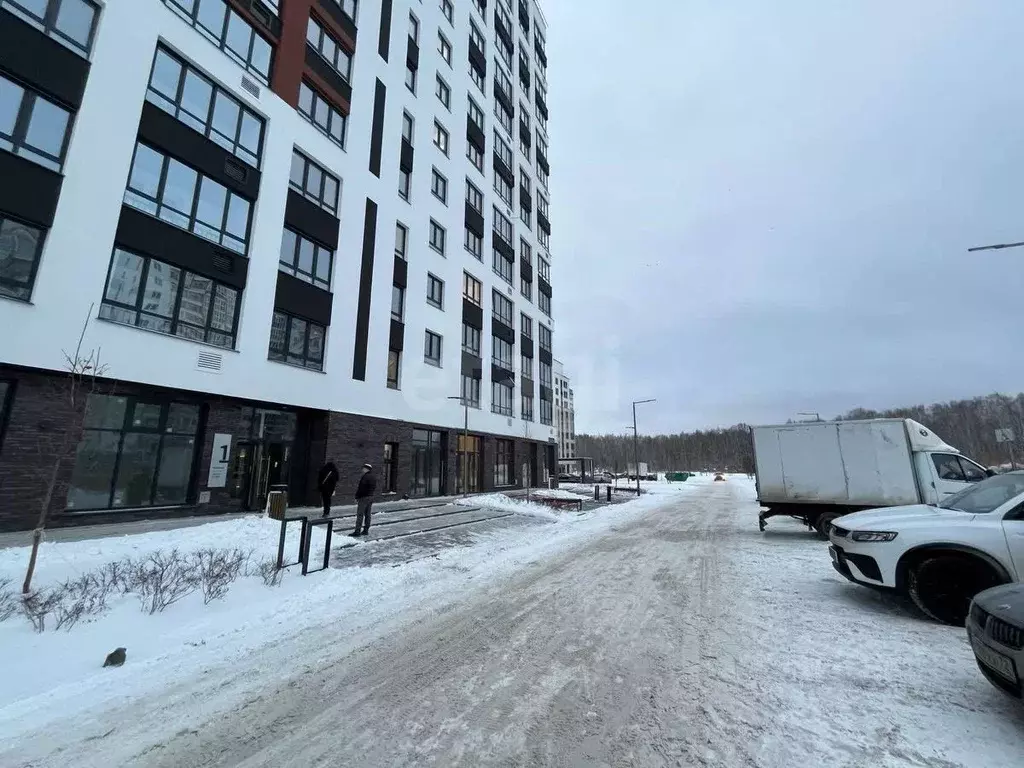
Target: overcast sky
761,208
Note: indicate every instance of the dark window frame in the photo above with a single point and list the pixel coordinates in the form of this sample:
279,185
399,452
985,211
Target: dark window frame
17,141
503,308
404,230
544,302
334,113
292,267
544,336
394,382
474,243
220,39
47,24
502,353
472,289
501,265
438,181
342,48
471,339
526,407
29,286
473,398
525,325
282,357
475,156
320,198
436,228
433,341
474,197
434,282
504,463
443,91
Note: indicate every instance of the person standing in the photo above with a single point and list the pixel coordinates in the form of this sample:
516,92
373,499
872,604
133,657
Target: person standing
364,500
326,482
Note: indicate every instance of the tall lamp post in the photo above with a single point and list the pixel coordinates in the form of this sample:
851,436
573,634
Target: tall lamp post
636,442
465,445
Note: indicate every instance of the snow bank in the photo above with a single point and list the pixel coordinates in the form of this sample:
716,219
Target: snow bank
503,503
558,493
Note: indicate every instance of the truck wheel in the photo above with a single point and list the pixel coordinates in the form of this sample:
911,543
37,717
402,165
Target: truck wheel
942,586
824,521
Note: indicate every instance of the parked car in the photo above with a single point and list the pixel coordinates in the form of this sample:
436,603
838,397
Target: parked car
940,555
995,628
819,471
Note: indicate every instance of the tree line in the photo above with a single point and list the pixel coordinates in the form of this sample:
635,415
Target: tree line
970,425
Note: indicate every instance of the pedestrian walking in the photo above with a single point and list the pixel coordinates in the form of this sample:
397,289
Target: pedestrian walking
364,500
326,482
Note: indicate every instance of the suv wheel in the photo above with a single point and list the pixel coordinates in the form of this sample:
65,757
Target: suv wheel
942,586
824,522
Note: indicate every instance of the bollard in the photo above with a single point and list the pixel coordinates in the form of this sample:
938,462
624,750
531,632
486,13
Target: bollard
597,493
608,490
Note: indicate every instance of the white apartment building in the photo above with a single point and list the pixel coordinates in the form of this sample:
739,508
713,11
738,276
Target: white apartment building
565,414
255,208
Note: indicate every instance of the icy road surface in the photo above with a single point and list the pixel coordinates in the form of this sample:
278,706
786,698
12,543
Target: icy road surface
676,636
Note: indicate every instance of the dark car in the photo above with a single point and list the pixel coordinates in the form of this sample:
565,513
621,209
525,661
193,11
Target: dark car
995,627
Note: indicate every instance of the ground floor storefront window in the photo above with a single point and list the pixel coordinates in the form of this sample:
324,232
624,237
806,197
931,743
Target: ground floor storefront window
134,452
427,463
467,475
390,467
504,463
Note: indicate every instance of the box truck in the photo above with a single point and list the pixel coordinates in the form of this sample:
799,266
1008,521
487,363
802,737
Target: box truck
819,471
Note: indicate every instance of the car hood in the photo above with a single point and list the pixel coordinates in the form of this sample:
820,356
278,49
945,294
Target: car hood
870,519
1006,602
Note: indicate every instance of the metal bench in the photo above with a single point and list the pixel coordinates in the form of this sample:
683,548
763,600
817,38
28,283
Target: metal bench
576,504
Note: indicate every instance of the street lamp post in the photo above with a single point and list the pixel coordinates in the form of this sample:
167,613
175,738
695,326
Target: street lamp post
465,445
636,442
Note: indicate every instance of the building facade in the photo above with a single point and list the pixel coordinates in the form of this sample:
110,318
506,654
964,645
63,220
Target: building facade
237,222
565,414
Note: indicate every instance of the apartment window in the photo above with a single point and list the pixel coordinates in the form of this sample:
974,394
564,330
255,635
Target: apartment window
501,265
503,310
397,303
476,36
502,226
474,197
526,256
296,341
527,366
476,114
472,289
440,137
329,48
150,294
542,176
306,260
437,237
439,186
502,80
501,402
545,412
503,188
163,187
448,10
525,287
505,51
134,453
312,181
470,391
524,181
503,150
322,114
504,453
471,339
348,6
526,408
504,117
444,48
481,6
443,92
476,157
20,248
401,239
478,79
404,182
524,136
545,337
408,125
229,32
414,29
544,269
32,126
474,243
71,23
542,144
525,215
501,14
435,291
410,79
394,368
526,325
544,239
432,349
544,302
390,467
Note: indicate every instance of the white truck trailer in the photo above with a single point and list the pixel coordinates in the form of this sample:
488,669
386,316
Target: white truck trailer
818,471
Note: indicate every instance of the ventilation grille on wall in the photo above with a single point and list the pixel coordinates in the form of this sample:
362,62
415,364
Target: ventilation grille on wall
235,170
209,361
250,86
223,262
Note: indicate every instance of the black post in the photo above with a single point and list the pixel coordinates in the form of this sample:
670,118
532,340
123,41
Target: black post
636,451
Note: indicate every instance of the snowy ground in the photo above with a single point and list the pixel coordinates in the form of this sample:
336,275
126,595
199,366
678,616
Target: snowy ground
664,631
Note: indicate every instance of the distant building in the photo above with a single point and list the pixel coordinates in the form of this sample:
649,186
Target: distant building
565,414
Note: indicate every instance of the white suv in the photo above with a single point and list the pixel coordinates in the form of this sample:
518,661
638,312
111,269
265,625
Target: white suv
941,556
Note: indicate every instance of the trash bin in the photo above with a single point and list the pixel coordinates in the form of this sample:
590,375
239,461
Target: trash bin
277,502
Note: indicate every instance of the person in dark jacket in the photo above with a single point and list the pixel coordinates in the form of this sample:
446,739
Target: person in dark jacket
364,500
326,482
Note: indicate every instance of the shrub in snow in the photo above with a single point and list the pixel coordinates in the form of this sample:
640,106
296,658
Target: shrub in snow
38,605
81,597
217,568
162,578
8,600
118,575
269,572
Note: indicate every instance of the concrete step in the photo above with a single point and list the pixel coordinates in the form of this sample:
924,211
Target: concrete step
398,529
391,517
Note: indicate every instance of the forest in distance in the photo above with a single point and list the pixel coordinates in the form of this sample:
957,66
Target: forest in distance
969,425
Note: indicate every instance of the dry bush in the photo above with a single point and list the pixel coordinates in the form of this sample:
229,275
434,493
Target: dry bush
8,600
217,569
38,605
161,579
269,572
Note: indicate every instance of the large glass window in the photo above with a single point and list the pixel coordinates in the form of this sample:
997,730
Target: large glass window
545,412
502,226
437,237
182,91
474,243
472,289
32,126
476,114
432,348
526,409
401,239
474,197
70,22
229,32
526,367
306,260
427,463
322,114
470,391
476,157
503,151
397,303
502,266
467,469
544,302
545,374
170,190
20,246
348,6
435,291
501,353
526,325
296,341
159,297
545,337
503,308
330,48
504,463
394,368
310,179
471,339
134,452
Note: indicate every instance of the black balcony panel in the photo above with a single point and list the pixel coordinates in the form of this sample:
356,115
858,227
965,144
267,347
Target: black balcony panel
329,75
543,223
305,216
477,59
544,286
502,331
505,249
500,375
346,22
525,199
526,346
41,61
472,314
472,365
542,161
545,393
297,297
396,339
474,220
405,161
503,170
412,55
400,274
545,355
526,270
504,99
476,135
526,386
542,106
28,191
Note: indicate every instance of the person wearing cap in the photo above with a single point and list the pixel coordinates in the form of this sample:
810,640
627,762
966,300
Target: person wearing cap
364,500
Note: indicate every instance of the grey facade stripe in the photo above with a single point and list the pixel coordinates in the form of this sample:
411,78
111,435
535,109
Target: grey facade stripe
384,41
380,96
365,288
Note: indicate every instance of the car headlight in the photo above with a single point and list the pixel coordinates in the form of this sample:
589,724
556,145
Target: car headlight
873,535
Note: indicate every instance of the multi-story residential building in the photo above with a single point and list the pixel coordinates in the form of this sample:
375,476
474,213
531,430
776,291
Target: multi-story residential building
253,206
565,414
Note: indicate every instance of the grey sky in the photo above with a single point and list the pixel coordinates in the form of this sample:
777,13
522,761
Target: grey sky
761,208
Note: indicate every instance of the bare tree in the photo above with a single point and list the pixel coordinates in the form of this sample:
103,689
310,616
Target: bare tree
82,374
